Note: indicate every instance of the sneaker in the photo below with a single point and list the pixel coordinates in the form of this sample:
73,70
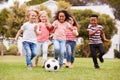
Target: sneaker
67,65
101,59
97,67
61,66
29,67
43,64
64,61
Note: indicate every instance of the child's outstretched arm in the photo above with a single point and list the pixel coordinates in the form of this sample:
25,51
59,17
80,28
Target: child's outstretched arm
103,36
18,34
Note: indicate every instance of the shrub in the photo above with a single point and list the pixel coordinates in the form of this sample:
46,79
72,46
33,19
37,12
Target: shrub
13,50
116,53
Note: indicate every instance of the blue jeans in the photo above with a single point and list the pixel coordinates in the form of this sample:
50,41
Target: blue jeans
59,50
42,48
30,49
70,50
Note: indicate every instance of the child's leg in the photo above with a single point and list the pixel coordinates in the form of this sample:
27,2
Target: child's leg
62,51
68,51
102,52
39,48
45,52
73,46
94,55
33,48
26,46
56,48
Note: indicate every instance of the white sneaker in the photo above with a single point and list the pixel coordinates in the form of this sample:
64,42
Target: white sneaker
64,61
29,67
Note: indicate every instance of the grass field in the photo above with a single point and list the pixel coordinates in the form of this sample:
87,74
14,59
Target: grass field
14,68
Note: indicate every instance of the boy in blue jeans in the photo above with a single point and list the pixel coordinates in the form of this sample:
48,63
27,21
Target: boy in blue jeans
29,36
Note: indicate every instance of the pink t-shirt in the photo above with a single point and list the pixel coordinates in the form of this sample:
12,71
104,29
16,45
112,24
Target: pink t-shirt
60,30
44,32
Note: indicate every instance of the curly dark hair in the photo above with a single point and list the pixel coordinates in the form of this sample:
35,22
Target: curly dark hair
67,15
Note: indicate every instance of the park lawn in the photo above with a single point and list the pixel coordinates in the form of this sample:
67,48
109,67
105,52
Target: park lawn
14,68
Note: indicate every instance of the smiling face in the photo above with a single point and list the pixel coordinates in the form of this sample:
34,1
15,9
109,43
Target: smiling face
32,16
93,21
61,17
43,18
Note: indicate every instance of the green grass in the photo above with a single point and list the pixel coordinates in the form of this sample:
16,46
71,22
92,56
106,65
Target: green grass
14,68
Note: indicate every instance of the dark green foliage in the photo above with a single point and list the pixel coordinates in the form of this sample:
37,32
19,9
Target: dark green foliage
116,5
116,53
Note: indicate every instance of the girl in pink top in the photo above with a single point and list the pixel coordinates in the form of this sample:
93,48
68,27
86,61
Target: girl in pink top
42,31
71,42
59,38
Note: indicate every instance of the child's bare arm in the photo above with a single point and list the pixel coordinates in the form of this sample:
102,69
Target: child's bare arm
18,34
103,36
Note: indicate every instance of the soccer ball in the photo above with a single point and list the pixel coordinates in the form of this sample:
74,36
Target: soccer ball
52,65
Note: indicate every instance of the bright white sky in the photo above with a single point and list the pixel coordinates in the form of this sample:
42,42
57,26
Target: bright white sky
10,3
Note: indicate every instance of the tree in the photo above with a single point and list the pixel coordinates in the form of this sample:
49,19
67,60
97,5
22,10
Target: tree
82,17
42,7
64,5
34,2
3,17
116,5
15,19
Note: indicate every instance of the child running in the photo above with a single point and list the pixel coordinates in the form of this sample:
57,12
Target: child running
95,40
71,42
59,38
43,32
29,36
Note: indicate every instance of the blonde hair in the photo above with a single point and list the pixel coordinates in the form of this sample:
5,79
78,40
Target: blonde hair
41,13
28,12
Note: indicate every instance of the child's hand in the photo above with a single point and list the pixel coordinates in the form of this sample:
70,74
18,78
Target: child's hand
56,26
98,29
15,39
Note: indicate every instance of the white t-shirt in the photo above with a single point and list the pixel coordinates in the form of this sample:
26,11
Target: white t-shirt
28,32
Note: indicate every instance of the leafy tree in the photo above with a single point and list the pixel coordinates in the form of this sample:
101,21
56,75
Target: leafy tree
15,19
42,7
64,5
116,5
3,16
82,17
34,2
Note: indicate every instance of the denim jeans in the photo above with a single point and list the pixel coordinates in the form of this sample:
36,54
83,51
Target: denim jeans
93,48
59,50
30,49
70,50
42,48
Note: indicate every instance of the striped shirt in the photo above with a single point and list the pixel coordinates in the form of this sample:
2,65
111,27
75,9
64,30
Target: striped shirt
96,38
69,34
